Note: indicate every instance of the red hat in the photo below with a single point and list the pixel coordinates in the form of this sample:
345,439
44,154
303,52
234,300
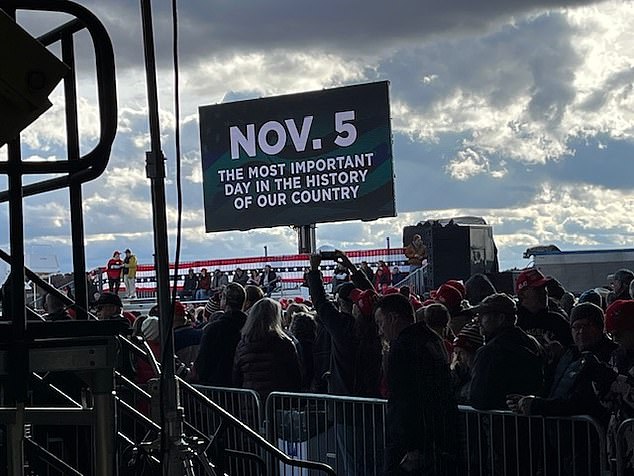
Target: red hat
179,309
284,303
530,278
364,300
299,299
459,285
416,304
428,302
619,316
449,296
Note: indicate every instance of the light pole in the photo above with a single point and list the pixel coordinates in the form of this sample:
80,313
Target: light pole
266,251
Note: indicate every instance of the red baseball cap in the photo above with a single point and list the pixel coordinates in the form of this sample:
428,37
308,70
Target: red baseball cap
530,278
459,285
364,300
449,296
619,316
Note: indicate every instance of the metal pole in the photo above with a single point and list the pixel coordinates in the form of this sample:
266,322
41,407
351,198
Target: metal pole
155,168
75,191
266,251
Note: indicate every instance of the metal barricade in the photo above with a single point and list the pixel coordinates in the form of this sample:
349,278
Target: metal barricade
242,404
504,443
624,447
346,433
349,434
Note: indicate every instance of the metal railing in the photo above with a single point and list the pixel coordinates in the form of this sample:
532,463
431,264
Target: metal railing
624,447
349,434
415,281
345,432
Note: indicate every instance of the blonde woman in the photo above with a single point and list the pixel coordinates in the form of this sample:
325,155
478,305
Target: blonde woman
266,358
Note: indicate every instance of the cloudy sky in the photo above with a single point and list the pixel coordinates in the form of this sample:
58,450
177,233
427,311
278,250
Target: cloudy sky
517,111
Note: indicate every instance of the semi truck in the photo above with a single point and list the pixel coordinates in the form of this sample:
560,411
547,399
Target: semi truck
580,270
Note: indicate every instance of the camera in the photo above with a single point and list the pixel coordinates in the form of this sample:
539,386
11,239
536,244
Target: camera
328,255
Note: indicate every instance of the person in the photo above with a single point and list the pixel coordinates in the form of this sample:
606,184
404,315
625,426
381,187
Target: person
254,277
68,290
214,364
355,359
303,329
436,316
56,309
149,330
240,276
621,284
129,273
339,276
109,306
614,382
422,413
382,277
266,359
416,253
253,295
367,270
397,276
189,285
465,346
533,313
477,287
218,281
186,338
572,392
268,280
204,283
510,362
113,271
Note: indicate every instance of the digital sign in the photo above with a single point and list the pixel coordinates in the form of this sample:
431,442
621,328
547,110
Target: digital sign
298,159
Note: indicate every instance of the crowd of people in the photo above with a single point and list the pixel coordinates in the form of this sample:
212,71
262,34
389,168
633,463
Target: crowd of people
541,351
205,285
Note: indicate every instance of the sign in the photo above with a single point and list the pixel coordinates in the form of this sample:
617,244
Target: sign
298,159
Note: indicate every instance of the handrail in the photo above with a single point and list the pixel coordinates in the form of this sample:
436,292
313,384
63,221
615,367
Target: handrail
263,443
228,418
43,284
50,459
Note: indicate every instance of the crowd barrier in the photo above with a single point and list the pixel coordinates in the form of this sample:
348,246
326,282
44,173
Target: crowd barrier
625,448
348,434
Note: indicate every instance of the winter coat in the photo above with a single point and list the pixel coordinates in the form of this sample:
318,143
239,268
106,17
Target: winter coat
267,365
545,323
113,268
422,413
572,392
511,362
354,370
214,363
187,343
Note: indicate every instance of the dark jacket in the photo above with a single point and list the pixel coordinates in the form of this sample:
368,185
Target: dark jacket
545,323
214,363
190,283
351,373
187,343
572,392
267,365
422,413
511,362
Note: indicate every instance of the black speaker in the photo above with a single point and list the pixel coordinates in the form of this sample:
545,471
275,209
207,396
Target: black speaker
28,74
